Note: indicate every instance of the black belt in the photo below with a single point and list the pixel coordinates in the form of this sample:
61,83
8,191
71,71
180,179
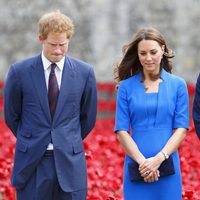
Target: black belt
48,153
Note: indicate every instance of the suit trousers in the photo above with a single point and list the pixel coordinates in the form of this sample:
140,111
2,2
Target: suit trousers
44,185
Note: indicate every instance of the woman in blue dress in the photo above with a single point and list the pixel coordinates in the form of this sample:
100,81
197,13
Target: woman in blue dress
151,117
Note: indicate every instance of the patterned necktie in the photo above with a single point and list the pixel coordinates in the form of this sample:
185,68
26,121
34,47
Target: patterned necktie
53,90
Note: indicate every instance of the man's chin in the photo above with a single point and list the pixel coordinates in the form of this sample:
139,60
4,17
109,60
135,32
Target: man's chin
56,58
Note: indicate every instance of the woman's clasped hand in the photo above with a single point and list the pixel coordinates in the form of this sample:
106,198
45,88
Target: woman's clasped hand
149,168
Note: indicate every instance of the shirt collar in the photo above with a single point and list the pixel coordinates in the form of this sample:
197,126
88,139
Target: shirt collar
47,63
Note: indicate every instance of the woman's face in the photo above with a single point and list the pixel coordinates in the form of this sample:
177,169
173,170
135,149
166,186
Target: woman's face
150,54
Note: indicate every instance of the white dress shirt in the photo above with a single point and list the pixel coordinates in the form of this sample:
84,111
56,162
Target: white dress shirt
58,71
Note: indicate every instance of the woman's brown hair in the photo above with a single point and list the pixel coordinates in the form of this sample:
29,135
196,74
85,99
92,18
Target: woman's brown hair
130,64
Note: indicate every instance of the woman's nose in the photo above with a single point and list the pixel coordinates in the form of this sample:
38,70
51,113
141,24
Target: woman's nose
148,57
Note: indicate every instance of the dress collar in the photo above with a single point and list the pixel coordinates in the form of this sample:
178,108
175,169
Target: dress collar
164,74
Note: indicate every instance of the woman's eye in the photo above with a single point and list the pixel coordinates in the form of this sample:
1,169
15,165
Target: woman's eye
153,52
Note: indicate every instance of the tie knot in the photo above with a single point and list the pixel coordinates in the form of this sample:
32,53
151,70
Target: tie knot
53,66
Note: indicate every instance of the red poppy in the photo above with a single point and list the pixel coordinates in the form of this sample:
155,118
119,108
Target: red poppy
105,155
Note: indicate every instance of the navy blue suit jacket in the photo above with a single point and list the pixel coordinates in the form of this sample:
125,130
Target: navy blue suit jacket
196,107
28,116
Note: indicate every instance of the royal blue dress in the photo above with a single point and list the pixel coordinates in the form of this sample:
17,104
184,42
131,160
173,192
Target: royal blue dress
152,118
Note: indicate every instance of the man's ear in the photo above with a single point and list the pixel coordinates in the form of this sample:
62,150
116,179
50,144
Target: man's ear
40,39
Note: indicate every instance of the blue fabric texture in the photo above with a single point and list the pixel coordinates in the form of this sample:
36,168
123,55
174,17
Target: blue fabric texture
151,119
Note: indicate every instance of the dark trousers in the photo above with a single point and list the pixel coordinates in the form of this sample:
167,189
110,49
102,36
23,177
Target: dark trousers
44,185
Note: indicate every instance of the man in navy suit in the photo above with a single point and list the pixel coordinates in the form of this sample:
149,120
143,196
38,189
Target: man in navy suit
49,161
196,108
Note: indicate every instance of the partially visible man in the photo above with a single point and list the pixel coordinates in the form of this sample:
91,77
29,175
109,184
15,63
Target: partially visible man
50,106
196,107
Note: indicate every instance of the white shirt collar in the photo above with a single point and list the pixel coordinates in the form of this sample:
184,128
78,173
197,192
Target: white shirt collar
47,63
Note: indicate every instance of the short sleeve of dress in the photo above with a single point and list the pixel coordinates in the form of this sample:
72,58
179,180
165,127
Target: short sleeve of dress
122,117
181,115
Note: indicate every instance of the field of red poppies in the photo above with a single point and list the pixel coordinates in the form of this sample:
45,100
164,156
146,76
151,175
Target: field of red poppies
105,155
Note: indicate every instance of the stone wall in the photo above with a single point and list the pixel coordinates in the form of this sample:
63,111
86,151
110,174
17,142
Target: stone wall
102,27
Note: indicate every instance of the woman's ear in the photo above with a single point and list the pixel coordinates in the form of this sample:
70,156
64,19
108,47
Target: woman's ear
163,48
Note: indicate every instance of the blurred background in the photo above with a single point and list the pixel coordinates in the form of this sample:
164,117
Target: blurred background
102,27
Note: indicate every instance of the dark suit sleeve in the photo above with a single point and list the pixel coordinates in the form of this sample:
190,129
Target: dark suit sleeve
12,101
88,105
196,107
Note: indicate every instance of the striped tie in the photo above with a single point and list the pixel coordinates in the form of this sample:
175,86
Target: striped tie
53,90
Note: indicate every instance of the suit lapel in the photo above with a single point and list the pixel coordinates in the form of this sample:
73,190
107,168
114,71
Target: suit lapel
66,86
38,78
